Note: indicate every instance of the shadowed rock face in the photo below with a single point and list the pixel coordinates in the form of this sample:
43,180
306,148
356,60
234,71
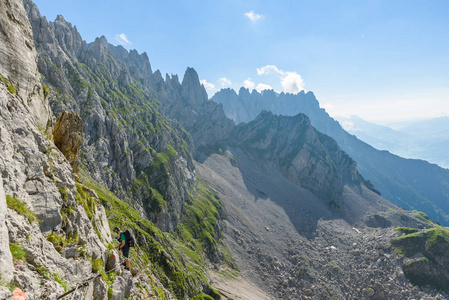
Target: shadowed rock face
412,184
68,137
306,157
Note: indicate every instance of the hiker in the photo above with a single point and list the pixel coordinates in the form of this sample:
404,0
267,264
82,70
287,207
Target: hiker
123,245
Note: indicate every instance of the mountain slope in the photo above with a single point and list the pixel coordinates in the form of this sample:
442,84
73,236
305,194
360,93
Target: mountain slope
291,244
412,184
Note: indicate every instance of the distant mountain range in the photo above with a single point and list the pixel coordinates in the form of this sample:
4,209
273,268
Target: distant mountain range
428,140
409,183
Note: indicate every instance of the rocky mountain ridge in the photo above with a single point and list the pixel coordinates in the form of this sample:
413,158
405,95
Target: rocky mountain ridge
128,142
305,156
409,183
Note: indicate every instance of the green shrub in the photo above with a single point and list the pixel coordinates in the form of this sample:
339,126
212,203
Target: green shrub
46,91
21,208
82,251
64,193
58,241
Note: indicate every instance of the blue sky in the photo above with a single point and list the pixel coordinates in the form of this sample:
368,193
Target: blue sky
382,60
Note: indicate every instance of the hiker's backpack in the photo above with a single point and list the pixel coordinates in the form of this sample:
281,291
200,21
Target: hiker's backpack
129,238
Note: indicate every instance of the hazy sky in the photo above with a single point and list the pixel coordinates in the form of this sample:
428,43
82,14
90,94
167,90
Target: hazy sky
381,60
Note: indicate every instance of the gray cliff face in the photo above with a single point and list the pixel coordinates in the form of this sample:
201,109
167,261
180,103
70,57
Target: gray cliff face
306,157
6,272
194,93
34,173
204,119
246,106
128,142
18,60
127,134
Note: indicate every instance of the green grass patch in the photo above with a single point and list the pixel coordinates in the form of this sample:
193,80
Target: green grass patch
61,281
44,272
97,265
21,208
9,85
425,218
89,203
229,273
8,284
198,226
64,193
202,296
17,251
420,241
162,158
406,230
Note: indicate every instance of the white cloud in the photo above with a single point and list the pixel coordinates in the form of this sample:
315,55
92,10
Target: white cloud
210,87
248,84
291,82
122,39
348,125
262,86
268,69
207,85
253,16
224,82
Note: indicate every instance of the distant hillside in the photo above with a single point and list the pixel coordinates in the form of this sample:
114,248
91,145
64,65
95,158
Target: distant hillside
428,140
412,184
437,128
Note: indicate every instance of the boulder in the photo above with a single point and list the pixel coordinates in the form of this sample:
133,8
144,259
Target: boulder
113,261
68,136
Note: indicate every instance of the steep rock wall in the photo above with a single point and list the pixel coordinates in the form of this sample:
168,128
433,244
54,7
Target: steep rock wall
18,60
6,272
129,144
